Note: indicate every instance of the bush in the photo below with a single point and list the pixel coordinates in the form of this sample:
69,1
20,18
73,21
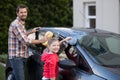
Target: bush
3,58
2,72
55,13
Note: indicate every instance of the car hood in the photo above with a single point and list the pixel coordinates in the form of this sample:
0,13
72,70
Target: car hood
114,70
109,73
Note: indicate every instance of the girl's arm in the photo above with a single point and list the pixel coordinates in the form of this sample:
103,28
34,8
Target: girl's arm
66,39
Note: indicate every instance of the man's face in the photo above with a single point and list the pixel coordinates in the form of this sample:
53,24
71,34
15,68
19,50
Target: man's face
22,14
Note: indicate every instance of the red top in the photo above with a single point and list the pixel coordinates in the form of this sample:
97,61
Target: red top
51,64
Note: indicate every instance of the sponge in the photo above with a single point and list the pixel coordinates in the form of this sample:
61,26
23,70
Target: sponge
49,35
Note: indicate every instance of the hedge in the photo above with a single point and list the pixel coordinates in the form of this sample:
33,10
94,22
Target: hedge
47,13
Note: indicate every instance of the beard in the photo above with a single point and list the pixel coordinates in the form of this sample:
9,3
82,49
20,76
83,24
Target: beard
23,18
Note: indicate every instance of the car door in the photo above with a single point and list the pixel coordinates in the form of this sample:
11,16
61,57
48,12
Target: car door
82,71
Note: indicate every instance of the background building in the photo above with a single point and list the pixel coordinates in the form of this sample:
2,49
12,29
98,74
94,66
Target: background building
102,14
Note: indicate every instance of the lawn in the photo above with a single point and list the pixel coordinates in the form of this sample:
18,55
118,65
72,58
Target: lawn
2,73
3,58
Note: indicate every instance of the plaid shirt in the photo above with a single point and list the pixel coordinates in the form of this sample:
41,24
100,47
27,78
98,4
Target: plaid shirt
17,40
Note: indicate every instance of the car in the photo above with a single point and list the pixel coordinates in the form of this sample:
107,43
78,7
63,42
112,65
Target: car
91,54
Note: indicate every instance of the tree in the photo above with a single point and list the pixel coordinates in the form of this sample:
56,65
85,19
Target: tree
47,13
7,14
50,13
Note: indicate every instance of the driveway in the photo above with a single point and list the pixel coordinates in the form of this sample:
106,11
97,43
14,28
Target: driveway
3,64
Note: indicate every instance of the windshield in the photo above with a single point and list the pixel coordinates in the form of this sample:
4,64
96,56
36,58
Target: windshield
105,48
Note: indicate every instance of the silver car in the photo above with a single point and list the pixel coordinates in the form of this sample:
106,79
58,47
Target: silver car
91,54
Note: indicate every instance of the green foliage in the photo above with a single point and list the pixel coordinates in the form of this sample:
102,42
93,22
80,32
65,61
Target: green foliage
55,13
48,13
3,58
7,14
2,72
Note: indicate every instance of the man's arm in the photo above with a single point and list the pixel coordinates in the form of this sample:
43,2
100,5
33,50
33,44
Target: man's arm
33,30
23,38
42,40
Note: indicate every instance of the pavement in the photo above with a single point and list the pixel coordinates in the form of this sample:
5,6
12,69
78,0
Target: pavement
3,64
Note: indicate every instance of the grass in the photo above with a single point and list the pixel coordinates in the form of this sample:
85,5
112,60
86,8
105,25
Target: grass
3,58
2,73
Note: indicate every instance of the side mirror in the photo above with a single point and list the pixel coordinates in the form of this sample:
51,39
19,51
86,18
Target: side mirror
67,64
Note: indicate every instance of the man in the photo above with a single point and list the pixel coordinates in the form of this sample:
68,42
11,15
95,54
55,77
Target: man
17,43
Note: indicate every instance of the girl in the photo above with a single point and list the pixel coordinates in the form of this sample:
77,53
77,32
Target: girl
50,59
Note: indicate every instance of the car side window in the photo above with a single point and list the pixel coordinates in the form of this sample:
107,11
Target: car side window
71,53
56,35
38,35
82,64
68,53
74,54
63,47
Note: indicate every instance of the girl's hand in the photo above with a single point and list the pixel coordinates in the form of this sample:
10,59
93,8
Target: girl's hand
67,38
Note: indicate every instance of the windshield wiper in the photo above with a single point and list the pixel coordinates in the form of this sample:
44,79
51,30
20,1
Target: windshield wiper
112,66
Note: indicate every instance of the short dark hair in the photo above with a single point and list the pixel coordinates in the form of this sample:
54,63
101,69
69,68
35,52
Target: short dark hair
21,6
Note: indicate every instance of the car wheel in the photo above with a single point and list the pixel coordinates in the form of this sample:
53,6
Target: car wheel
9,75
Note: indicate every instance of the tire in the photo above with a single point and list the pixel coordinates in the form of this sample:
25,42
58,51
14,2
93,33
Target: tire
9,75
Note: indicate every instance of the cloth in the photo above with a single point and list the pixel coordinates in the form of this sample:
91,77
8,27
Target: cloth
17,40
50,64
48,34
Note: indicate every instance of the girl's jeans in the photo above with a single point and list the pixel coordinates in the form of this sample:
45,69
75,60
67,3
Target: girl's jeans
18,65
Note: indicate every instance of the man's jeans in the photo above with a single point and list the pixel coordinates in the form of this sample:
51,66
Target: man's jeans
18,65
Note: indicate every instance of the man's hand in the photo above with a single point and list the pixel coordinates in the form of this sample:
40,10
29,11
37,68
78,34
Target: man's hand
35,29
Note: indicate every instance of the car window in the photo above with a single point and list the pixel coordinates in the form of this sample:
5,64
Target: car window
74,54
63,56
68,53
96,46
37,35
32,36
83,65
104,48
113,45
62,53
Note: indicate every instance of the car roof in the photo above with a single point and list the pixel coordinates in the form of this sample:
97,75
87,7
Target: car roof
74,31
